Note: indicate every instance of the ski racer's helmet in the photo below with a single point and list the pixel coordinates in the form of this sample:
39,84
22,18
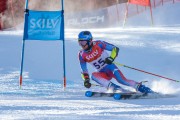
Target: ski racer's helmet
85,40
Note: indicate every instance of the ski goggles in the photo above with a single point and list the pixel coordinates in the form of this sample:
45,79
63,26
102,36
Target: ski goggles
83,42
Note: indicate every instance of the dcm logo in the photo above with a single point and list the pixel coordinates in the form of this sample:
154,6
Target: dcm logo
43,23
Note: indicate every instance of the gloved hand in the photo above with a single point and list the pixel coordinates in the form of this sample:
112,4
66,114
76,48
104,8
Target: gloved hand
109,60
87,83
114,54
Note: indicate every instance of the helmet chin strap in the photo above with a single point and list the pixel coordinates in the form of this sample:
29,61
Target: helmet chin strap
89,46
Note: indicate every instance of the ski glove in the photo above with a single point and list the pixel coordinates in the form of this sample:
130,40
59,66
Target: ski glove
87,84
114,54
86,78
109,60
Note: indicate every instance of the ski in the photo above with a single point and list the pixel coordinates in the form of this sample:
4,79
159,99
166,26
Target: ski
98,94
116,96
128,95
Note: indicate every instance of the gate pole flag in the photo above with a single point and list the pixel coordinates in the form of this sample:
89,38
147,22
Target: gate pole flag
140,2
46,26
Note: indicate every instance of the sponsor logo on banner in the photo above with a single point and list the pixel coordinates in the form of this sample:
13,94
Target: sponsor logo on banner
43,23
86,20
96,18
44,26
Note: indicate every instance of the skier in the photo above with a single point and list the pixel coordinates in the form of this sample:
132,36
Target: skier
95,53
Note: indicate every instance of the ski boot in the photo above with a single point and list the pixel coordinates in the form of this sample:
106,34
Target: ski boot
144,89
113,88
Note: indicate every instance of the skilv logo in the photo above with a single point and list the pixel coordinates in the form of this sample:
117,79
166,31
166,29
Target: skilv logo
43,23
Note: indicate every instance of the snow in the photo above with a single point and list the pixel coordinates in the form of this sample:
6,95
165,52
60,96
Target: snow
153,49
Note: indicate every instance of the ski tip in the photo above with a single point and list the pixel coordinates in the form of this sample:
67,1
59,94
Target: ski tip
88,93
117,96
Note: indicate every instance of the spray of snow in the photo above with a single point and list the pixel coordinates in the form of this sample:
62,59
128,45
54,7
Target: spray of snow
165,87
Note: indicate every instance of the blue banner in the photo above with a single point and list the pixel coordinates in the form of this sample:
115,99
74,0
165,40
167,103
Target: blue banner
43,25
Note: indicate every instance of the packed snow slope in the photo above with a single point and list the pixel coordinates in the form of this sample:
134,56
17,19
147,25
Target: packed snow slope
153,49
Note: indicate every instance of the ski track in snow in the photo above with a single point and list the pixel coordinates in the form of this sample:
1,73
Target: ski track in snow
45,99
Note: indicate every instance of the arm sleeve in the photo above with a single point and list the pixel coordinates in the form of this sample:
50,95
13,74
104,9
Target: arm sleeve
83,64
114,52
107,46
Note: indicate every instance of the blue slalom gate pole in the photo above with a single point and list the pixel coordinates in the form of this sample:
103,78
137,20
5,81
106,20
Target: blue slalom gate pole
22,62
62,33
23,45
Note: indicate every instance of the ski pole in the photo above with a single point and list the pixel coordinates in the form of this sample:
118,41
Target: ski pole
145,72
96,85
